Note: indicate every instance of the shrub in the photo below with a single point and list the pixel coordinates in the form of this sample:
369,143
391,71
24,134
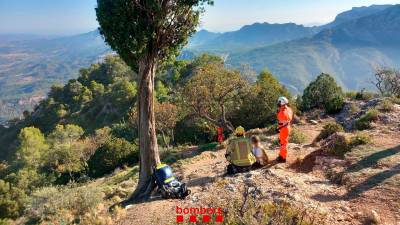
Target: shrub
337,144
351,95
53,203
386,105
270,213
297,137
323,93
364,95
329,129
113,154
359,139
364,122
257,107
12,201
353,108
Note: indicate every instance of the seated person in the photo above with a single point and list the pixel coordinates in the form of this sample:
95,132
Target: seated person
238,153
259,152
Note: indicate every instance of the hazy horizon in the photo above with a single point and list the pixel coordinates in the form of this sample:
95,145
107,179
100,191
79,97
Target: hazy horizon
43,17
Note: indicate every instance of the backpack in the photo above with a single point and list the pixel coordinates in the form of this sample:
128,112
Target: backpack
239,152
168,185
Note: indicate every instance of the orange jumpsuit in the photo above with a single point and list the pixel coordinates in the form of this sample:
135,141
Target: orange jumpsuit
285,116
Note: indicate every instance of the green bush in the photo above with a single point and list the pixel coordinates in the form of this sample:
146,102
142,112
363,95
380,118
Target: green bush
12,201
297,137
359,139
257,105
51,203
329,129
115,153
323,93
364,122
208,147
365,95
338,145
351,95
386,105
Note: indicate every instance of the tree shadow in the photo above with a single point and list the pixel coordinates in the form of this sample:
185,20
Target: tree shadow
372,159
362,187
370,182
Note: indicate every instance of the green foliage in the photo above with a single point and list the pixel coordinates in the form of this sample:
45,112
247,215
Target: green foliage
50,203
135,34
339,145
364,122
212,92
32,147
192,131
258,105
364,95
360,139
67,153
296,136
114,153
323,93
161,92
12,201
329,129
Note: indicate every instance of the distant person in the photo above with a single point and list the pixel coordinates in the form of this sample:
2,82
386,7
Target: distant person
259,152
239,154
284,116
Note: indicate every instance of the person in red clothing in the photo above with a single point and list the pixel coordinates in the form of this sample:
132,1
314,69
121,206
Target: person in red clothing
285,116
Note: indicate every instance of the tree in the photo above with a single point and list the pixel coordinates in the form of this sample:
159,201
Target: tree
323,93
67,154
210,94
146,33
166,119
32,147
387,81
258,105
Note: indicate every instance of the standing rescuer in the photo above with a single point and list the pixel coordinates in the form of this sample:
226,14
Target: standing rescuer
285,116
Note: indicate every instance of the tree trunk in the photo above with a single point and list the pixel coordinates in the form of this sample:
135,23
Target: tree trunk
165,139
149,155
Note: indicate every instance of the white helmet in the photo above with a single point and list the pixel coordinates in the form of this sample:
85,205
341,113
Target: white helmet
283,101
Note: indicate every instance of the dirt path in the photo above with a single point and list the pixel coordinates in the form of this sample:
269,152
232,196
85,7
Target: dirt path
204,175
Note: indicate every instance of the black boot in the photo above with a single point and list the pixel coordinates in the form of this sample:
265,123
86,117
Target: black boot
280,159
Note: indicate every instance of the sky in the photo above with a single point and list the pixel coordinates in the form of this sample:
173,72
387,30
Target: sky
60,17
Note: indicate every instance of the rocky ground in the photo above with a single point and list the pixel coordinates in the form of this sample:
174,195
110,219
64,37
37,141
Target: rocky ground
361,188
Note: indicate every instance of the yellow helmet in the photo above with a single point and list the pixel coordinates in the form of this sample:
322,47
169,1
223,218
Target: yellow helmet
239,130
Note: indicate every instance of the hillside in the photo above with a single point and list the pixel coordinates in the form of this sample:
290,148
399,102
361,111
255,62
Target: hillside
347,48
353,14
255,35
29,67
315,187
348,51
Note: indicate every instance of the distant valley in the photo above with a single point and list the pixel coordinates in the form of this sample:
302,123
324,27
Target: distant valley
347,48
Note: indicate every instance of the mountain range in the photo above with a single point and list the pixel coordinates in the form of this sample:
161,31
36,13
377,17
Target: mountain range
347,48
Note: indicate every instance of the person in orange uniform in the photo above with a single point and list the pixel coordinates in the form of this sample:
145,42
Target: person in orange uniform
285,116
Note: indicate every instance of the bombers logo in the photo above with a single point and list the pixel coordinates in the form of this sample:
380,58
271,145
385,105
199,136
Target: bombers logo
190,214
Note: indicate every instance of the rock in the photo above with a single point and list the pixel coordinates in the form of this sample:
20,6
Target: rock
230,187
374,217
314,122
345,208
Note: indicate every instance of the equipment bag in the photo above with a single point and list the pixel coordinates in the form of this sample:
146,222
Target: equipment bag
168,185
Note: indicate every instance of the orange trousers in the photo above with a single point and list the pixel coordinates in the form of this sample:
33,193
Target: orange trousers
284,141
